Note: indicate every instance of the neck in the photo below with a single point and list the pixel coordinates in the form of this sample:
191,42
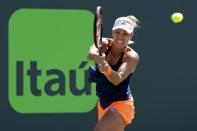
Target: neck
116,51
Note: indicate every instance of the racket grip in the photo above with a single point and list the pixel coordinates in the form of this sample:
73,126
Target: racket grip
100,53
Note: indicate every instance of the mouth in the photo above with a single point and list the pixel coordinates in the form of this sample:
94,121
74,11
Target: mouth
120,41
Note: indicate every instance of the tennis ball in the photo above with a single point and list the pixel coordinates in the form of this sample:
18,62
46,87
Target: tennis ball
177,17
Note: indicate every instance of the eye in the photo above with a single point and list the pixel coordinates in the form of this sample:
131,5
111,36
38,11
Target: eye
116,32
125,34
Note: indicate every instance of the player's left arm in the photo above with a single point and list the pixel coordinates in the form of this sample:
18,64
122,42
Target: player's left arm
94,52
130,61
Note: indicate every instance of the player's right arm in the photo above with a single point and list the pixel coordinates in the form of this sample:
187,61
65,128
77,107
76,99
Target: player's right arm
93,53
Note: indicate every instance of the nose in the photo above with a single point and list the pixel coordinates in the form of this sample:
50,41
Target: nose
120,36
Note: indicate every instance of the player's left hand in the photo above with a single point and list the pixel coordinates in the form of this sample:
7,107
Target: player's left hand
100,59
103,67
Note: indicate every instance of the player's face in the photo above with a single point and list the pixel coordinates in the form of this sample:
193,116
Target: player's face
121,37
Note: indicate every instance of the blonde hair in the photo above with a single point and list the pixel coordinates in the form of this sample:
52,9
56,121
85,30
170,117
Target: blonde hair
135,23
134,20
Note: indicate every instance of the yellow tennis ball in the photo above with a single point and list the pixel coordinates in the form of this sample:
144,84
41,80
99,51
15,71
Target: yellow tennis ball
177,17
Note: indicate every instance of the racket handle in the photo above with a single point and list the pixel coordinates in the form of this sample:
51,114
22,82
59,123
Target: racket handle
100,53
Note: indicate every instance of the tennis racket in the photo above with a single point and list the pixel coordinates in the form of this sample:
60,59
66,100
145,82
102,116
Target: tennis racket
98,28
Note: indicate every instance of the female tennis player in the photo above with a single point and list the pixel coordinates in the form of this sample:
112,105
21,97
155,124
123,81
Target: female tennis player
112,75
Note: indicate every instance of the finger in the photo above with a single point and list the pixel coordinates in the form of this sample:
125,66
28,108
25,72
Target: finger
105,66
100,59
96,59
103,56
100,67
